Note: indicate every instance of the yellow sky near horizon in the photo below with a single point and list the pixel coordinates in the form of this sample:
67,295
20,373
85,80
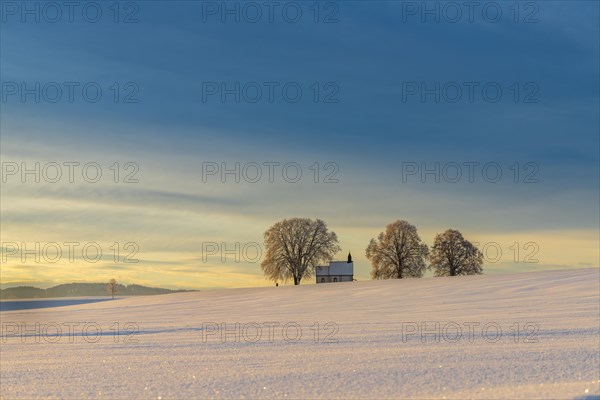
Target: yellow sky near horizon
171,214
210,267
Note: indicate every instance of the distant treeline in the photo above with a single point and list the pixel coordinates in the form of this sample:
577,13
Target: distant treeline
80,289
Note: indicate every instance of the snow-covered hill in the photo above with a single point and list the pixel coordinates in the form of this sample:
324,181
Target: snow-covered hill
416,338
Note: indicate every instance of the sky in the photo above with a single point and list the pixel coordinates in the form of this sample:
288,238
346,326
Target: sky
182,130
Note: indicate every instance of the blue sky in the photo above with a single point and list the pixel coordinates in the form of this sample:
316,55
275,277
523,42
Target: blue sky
364,61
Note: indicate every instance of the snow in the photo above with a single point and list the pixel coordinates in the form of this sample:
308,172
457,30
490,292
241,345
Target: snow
178,351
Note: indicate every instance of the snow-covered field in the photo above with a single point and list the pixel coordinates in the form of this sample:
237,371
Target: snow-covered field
369,342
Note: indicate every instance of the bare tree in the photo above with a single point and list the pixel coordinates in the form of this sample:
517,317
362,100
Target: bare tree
453,255
112,287
397,253
295,247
